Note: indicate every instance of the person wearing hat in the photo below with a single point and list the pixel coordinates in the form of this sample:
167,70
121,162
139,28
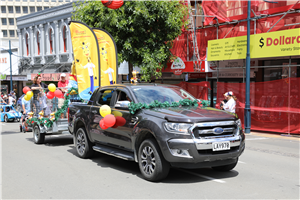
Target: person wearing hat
63,82
231,103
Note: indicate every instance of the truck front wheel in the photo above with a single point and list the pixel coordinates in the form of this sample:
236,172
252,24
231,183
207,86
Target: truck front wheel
152,164
82,144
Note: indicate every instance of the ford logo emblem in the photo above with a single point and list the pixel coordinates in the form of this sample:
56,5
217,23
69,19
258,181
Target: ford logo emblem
218,131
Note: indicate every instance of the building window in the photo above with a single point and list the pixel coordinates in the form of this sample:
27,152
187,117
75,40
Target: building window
51,39
46,0
27,44
11,33
65,38
10,9
46,7
60,0
38,40
24,0
53,0
11,21
39,8
39,0
18,9
4,33
32,1
32,9
4,21
3,9
17,0
67,0
25,9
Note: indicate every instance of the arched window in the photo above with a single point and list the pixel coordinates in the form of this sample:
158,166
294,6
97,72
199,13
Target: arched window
65,38
38,42
26,44
51,40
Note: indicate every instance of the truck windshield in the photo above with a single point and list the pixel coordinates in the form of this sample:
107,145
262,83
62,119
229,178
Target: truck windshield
147,94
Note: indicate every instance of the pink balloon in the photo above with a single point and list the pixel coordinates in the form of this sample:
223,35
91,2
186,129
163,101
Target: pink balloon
109,120
58,93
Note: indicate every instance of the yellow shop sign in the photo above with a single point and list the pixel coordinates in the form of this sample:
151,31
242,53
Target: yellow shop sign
274,44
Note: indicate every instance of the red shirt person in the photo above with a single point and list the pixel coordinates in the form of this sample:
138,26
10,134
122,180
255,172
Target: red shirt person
63,82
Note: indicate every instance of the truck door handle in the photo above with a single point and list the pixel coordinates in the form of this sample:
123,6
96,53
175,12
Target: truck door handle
94,111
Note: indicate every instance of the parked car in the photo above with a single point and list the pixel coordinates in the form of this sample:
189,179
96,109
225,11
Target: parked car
160,137
8,113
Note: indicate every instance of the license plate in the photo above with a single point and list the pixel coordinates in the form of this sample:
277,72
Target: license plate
219,146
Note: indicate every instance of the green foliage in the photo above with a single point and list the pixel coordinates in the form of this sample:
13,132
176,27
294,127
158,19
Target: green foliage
134,107
143,30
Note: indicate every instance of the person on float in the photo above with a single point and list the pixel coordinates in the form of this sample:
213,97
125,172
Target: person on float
63,82
231,103
37,88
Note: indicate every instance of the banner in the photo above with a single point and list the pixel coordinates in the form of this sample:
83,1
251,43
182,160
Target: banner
264,45
108,57
86,57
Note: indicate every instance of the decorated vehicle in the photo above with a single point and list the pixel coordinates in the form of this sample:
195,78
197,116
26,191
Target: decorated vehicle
8,113
157,126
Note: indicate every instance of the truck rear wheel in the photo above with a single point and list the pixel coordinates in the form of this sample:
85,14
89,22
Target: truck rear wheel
38,137
152,164
82,144
225,168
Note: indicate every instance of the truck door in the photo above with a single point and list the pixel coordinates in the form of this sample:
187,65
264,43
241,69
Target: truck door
104,98
121,133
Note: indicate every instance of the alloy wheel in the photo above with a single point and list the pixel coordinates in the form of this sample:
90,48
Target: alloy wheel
80,143
148,160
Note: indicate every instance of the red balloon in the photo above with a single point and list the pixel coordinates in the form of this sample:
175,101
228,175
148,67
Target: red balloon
113,4
109,120
102,125
115,126
50,95
26,89
58,93
120,121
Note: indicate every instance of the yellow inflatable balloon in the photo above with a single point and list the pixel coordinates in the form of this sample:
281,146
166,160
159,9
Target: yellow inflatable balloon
104,110
27,98
29,94
52,87
117,113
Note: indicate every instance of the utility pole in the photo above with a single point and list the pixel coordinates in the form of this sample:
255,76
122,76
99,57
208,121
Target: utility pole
9,51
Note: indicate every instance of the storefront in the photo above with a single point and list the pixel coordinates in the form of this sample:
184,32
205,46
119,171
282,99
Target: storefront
18,82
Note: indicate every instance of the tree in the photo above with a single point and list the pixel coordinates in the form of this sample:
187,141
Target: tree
143,30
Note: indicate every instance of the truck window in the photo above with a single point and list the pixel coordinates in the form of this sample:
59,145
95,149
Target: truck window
105,97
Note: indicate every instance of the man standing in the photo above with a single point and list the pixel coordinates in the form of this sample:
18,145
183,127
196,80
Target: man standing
25,106
11,100
63,82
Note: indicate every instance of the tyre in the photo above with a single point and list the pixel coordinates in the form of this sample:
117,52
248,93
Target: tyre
38,137
225,168
152,164
20,128
82,144
6,118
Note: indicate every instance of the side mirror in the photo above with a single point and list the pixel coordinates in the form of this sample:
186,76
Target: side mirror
122,105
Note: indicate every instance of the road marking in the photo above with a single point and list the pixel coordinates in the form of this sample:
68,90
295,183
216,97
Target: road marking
203,176
241,162
257,138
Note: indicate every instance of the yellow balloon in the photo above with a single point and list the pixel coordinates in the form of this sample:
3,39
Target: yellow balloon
27,98
104,110
52,87
117,113
29,94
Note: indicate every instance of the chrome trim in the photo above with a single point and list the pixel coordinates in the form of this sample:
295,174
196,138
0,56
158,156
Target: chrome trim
204,144
210,124
225,130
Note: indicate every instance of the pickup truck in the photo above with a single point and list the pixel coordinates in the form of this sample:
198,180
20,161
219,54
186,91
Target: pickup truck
157,138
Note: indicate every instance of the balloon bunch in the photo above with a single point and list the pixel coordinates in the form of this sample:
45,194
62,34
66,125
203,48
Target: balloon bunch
110,120
112,4
28,93
53,92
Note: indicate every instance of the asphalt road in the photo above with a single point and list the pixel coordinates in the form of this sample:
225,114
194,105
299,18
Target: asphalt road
268,169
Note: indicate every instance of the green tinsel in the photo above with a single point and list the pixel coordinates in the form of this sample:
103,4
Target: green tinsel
133,107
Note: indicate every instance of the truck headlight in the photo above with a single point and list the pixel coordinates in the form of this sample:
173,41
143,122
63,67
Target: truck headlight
180,128
238,123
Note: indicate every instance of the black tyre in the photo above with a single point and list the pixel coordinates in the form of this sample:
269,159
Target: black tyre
225,168
153,165
82,144
5,118
38,138
20,128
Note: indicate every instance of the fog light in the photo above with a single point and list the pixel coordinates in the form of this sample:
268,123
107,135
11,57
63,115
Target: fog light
181,153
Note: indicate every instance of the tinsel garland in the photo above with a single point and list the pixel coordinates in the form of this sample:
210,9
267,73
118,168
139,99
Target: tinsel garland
133,107
46,121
